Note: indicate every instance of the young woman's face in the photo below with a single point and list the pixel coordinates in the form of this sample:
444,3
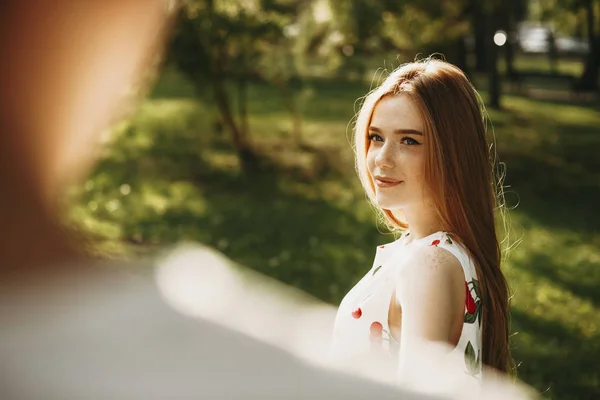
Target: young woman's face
396,154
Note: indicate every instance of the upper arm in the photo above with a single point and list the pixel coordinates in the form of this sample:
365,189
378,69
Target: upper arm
431,294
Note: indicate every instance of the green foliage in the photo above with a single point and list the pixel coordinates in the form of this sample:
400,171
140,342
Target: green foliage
169,176
567,16
222,45
407,27
229,35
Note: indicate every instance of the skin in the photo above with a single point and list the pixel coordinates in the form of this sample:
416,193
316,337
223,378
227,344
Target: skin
66,67
431,292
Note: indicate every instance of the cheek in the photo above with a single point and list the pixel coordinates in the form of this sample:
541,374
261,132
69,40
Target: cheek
371,154
415,158
417,166
414,164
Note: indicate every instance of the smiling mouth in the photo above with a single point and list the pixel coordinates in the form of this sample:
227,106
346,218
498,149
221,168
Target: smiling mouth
386,183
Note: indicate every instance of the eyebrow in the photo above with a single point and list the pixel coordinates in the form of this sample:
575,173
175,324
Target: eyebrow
400,131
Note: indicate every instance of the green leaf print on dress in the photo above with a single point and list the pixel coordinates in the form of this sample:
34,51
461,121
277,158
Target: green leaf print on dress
471,360
448,239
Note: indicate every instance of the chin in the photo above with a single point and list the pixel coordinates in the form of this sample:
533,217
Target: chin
388,204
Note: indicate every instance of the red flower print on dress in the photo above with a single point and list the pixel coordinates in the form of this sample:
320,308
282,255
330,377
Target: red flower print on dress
357,313
376,336
435,242
376,329
473,303
470,302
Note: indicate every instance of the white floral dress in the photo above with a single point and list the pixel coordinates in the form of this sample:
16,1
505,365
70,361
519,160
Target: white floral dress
362,317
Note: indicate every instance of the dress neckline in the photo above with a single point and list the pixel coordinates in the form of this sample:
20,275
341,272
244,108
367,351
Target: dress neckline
406,235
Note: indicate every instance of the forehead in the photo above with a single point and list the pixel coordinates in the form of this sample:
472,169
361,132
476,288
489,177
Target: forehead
397,112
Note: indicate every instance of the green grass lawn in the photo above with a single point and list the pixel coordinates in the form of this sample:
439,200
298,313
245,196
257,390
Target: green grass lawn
168,176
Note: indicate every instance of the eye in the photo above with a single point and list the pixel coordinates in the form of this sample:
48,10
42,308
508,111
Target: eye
375,137
409,141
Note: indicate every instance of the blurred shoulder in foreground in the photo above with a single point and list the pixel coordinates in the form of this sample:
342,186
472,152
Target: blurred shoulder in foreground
110,333
192,323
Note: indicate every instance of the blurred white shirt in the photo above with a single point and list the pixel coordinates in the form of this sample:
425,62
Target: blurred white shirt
109,334
200,327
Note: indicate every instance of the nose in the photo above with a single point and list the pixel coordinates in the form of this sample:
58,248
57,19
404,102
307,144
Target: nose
385,157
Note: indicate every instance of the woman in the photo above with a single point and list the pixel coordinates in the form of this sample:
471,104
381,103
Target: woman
423,159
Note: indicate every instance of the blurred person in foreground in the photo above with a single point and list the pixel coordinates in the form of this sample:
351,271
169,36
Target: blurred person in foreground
425,161
73,327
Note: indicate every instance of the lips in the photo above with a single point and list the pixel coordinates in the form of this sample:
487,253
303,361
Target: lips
385,182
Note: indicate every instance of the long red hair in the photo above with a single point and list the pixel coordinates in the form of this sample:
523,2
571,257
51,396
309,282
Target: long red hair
459,171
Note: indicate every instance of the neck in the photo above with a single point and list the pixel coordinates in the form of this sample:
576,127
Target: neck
422,221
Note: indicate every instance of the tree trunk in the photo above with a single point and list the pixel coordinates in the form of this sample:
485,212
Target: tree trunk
509,49
223,104
242,89
589,79
296,126
480,35
292,107
492,60
240,141
218,60
509,58
460,44
461,55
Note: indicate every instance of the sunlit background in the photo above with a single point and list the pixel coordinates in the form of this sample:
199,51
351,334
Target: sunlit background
243,145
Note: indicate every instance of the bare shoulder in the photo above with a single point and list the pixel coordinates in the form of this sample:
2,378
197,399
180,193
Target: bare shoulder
434,260
431,269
